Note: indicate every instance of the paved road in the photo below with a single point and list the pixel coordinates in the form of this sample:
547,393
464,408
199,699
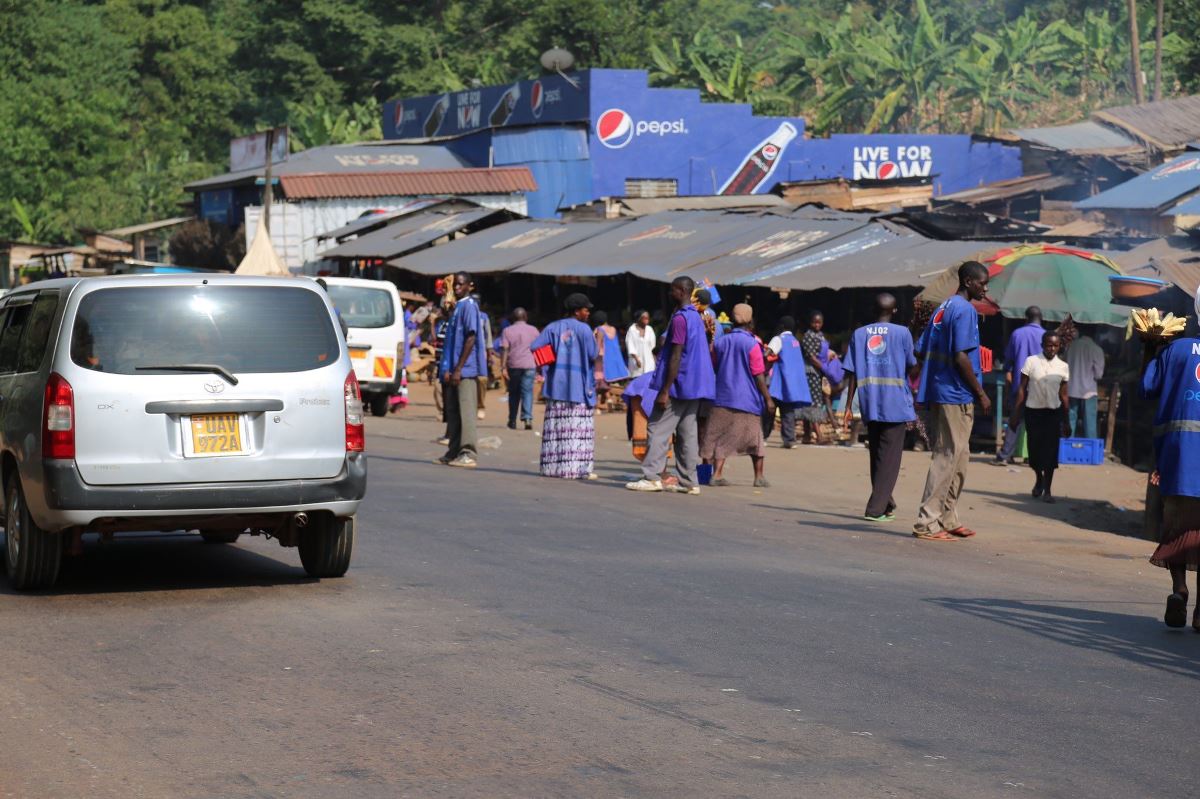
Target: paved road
501,635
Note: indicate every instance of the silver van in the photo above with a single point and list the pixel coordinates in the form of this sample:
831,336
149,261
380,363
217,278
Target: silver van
221,404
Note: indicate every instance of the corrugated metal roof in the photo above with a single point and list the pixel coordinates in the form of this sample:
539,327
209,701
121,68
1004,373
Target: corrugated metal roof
1175,248
505,247
1167,125
1155,189
146,227
1080,138
356,158
365,224
1189,207
499,180
640,206
408,234
1183,274
1004,189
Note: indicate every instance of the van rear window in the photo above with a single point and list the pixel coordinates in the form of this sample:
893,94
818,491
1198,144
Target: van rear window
247,329
363,307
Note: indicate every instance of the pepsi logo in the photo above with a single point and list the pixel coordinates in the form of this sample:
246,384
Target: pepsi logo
614,128
537,99
770,152
566,336
877,345
1184,165
1197,373
937,317
887,170
398,115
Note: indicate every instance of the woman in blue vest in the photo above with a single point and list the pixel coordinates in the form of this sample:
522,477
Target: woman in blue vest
569,430
610,362
735,426
1172,376
789,382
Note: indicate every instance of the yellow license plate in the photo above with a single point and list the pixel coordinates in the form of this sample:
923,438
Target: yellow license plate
216,434
358,353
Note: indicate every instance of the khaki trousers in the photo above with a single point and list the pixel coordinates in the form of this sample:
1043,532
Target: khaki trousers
950,428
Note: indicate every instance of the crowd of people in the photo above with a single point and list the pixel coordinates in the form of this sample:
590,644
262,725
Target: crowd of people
709,394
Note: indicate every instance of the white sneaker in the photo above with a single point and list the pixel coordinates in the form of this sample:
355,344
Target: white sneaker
694,491
645,485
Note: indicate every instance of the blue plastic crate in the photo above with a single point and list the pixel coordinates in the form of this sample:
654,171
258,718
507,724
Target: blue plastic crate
1081,451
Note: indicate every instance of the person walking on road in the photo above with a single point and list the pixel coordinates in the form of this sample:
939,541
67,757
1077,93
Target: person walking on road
569,430
789,380
735,426
518,368
1170,376
1024,342
464,360
951,384
640,341
1042,395
1086,361
877,365
682,378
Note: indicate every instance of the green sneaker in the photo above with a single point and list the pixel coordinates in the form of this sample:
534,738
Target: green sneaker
887,517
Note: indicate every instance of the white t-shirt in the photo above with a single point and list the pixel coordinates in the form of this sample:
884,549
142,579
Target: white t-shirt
775,345
640,343
1045,379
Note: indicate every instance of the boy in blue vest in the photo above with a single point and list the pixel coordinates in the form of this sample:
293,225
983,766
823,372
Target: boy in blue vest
877,365
683,377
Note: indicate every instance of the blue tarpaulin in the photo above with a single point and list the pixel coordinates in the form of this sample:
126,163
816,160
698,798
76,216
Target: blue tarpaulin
1155,189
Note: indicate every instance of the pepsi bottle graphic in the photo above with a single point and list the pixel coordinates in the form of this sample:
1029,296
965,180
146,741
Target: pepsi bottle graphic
504,108
433,122
760,163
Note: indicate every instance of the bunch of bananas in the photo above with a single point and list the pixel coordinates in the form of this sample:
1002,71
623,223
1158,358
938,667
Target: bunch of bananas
1150,324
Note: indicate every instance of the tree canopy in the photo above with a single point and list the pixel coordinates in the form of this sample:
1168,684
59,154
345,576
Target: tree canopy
107,107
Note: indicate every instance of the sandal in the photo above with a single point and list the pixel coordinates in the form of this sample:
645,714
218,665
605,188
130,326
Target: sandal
761,483
1176,615
961,532
930,535
720,481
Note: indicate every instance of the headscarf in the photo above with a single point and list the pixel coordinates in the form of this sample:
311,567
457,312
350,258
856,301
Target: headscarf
742,314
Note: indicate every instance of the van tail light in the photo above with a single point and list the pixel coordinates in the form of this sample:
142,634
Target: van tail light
356,437
58,419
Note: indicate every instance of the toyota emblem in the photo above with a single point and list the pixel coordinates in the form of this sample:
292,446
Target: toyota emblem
214,388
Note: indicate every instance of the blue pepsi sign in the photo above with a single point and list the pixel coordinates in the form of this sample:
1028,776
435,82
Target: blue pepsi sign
551,98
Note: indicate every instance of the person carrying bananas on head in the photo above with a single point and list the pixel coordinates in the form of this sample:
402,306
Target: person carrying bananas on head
1171,375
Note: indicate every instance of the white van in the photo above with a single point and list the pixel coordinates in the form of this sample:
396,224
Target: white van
376,337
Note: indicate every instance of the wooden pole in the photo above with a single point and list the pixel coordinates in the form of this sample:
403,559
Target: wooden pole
267,193
1135,53
1158,47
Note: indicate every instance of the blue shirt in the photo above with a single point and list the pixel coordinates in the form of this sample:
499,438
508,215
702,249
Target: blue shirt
570,378
954,328
696,379
880,356
789,382
1024,341
737,368
1173,378
466,319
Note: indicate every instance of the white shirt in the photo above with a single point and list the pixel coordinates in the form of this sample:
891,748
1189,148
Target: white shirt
775,345
1086,360
1045,379
641,343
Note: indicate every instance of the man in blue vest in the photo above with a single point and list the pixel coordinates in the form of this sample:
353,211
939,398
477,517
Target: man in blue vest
951,386
464,360
877,365
1172,376
683,377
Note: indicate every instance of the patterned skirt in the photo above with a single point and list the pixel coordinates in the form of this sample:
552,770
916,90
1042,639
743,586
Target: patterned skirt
731,432
816,411
1179,541
568,440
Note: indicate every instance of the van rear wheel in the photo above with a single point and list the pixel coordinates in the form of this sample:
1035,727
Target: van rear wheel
379,404
220,536
326,545
32,556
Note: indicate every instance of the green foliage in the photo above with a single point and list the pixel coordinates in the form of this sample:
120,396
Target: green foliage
107,107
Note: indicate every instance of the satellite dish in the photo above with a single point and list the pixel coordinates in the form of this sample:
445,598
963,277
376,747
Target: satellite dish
557,59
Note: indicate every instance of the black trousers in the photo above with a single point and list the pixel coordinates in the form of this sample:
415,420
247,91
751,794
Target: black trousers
885,441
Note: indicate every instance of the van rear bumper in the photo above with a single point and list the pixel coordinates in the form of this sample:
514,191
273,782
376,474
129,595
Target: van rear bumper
69,498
